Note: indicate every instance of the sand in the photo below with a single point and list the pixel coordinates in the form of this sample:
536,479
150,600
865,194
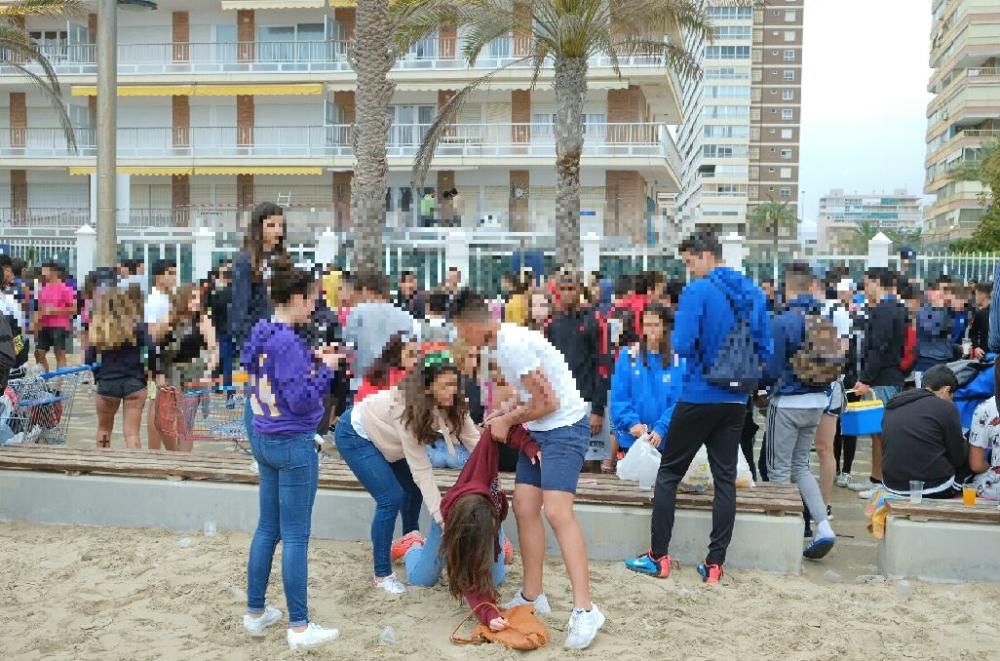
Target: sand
112,593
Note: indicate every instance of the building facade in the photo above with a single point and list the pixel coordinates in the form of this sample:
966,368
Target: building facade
740,135
842,214
225,103
964,114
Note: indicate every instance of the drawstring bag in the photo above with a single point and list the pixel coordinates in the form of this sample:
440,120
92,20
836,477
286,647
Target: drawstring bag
524,631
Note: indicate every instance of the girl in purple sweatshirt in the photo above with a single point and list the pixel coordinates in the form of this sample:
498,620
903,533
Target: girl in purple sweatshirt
287,383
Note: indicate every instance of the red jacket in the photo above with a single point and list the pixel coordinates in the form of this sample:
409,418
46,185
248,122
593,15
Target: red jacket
909,350
480,476
368,388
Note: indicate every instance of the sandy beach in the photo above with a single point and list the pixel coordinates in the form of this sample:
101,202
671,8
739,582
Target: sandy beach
112,593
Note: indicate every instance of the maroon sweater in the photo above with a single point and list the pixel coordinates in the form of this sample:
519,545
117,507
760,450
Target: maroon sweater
480,476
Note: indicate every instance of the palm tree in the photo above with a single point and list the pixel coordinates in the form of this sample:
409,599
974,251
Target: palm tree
866,230
22,52
569,32
773,220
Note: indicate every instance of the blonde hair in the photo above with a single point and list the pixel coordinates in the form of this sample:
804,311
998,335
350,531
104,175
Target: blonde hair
113,320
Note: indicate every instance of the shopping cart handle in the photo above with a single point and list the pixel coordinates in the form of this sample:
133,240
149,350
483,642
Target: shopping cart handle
63,371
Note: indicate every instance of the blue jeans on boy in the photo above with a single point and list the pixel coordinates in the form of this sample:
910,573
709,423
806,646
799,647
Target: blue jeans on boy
390,484
289,471
425,564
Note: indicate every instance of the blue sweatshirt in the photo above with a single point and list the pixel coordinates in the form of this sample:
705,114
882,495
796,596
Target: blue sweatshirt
250,302
643,394
704,318
287,383
934,329
788,330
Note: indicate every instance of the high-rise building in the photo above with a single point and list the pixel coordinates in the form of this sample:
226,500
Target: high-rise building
225,103
740,135
840,214
964,113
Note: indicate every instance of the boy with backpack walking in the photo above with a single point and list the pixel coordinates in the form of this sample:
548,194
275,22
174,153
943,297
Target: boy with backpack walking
722,335
808,356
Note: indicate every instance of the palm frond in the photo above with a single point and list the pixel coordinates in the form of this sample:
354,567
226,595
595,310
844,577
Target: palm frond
675,56
44,8
413,20
541,52
445,117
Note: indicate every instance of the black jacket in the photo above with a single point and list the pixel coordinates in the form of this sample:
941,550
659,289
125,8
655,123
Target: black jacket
922,440
979,330
885,339
577,336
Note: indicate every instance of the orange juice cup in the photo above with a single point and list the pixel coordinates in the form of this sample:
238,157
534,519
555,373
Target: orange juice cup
969,496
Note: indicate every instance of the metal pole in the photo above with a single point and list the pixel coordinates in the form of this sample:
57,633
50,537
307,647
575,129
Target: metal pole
107,99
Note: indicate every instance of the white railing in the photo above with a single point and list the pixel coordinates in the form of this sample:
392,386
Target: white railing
290,56
42,216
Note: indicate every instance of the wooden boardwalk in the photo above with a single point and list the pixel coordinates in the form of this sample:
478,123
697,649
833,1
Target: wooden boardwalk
334,474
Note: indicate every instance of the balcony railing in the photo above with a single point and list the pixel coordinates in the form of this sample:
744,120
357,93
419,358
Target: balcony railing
460,140
287,56
41,216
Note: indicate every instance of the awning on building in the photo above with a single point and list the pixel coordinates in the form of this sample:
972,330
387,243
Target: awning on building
274,4
278,89
286,170
140,171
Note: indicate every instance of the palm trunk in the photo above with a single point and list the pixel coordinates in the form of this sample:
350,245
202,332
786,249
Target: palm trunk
571,87
371,60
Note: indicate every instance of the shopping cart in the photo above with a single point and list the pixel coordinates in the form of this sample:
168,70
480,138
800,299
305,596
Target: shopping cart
36,407
198,414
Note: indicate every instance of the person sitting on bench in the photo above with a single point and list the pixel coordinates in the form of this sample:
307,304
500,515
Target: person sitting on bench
984,444
923,438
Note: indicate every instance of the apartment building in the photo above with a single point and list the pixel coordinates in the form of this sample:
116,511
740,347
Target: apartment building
224,103
840,214
964,114
740,135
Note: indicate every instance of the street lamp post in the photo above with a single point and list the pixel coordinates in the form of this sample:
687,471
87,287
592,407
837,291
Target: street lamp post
107,100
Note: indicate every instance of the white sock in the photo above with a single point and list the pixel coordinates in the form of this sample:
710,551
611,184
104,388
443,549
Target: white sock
825,529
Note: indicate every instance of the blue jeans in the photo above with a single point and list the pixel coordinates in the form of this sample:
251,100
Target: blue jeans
289,471
441,458
226,359
390,484
425,564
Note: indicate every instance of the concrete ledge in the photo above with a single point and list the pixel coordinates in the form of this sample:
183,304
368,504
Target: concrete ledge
760,541
940,550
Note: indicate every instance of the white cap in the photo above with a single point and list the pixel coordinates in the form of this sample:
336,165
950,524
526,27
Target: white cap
845,285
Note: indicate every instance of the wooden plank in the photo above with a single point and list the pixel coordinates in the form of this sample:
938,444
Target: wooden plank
946,511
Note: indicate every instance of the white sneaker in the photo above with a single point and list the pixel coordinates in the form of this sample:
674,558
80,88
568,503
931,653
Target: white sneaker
861,486
541,603
313,635
867,493
583,627
843,480
390,584
255,625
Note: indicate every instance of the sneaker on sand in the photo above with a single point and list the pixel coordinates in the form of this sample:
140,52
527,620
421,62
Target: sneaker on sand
583,627
644,564
313,635
541,603
390,584
255,625
868,493
864,485
401,546
710,573
843,480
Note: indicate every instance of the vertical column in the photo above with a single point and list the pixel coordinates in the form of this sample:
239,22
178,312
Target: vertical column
181,123
445,182
86,249
92,117
522,29
246,35
520,115
180,199
181,36
17,22
19,197
520,181
244,120
342,200
345,101
123,199
244,192
447,39
203,252
18,119
345,17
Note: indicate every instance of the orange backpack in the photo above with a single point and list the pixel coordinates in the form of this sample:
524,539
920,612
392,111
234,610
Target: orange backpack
524,632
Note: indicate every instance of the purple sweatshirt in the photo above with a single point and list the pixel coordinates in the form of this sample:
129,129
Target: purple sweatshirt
286,381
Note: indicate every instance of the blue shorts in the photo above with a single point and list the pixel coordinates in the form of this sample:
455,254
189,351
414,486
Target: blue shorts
563,450
885,393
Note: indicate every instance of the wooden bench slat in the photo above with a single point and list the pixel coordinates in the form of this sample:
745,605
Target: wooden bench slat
950,510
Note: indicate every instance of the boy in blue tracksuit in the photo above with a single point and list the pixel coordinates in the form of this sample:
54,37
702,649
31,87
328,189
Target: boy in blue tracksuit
711,306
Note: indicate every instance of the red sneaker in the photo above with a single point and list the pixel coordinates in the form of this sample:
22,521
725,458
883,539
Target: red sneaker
401,546
710,573
508,551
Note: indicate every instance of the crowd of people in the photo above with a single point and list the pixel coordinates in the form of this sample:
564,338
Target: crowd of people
557,375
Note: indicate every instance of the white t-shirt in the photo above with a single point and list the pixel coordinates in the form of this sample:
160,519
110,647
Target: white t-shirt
157,307
985,433
521,351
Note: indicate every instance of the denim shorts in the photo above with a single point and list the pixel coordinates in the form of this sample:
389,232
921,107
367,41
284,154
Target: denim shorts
885,393
120,388
563,450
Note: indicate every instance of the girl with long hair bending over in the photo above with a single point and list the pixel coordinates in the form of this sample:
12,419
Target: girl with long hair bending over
287,384
384,441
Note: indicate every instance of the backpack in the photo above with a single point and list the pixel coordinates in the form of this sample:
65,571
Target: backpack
821,359
736,367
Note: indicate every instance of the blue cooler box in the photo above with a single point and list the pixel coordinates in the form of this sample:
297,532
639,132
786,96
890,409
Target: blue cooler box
862,418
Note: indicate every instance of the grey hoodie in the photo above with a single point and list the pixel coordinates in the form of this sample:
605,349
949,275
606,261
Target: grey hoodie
369,328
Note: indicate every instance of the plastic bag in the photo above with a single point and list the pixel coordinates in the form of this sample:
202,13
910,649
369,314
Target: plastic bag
744,476
698,477
641,462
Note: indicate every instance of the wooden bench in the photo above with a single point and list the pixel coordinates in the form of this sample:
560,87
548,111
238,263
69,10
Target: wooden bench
941,540
615,514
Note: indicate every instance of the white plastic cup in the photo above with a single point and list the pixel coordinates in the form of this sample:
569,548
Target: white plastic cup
916,491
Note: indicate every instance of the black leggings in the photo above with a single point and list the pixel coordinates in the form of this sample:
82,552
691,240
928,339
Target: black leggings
848,445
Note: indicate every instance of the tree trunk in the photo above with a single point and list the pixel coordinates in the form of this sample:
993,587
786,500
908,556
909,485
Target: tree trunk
371,60
571,87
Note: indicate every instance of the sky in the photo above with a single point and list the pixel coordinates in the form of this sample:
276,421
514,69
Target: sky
864,97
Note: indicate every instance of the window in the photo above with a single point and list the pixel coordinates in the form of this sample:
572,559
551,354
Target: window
786,114
727,53
771,171
732,32
726,112
724,151
774,92
786,154
729,13
725,73
785,192
786,134
725,131
409,123
789,16
789,74
787,95
727,91
789,55
789,35
786,173
291,43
